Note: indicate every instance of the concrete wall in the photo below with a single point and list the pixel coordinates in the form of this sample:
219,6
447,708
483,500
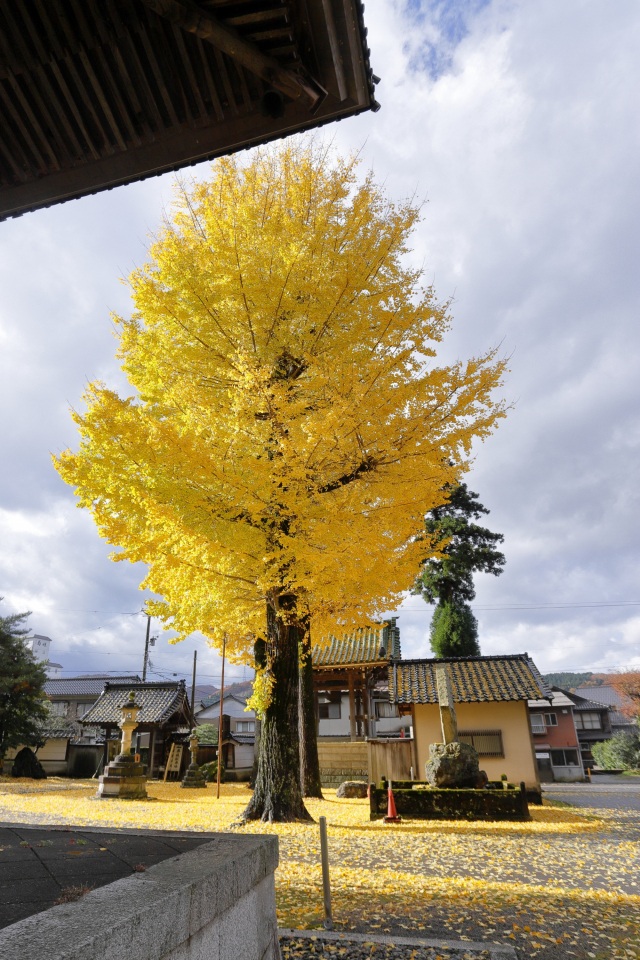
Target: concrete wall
342,760
511,718
52,755
214,903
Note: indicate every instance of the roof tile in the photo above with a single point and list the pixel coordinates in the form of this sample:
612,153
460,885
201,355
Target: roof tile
82,686
366,645
473,679
159,701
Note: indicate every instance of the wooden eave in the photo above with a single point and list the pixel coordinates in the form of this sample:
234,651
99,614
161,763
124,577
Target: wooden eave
97,93
326,676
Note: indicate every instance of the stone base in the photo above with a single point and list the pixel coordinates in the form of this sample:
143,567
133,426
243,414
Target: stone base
194,778
123,778
453,765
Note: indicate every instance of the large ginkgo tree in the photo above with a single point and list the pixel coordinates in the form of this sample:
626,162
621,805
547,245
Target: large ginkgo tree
289,426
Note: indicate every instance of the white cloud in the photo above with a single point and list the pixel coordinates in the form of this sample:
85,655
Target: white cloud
523,135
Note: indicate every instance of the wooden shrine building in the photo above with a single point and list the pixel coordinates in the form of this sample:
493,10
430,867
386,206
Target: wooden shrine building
353,666
164,719
98,93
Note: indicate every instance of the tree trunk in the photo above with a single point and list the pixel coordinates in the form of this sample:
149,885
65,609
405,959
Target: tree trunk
309,763
277,795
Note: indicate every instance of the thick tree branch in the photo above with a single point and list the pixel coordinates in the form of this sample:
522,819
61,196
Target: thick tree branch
367,466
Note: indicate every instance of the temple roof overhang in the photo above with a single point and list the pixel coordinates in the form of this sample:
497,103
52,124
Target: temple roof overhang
98,93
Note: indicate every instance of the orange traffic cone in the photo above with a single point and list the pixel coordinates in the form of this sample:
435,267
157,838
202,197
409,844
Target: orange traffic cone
392,813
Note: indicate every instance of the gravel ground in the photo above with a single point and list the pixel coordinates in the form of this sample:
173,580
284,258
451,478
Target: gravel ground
319,946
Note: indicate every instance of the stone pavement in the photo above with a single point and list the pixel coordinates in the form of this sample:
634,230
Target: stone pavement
41,867
606,792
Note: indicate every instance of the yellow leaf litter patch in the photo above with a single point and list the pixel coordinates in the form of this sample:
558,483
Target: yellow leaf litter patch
380,874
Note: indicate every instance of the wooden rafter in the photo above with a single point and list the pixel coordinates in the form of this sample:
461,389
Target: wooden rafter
188,16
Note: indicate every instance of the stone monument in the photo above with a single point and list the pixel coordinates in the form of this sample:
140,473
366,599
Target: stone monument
125,777
194,776
451,763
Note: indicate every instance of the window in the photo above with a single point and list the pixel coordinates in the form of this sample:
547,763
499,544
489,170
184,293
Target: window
565,758
588,721
487,743
245,726
329,711
537,723
59,708
385,710
551,719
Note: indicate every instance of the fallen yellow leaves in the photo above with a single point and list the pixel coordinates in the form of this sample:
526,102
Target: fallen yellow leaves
563,885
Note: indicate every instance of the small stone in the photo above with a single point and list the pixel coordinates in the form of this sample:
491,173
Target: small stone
351,789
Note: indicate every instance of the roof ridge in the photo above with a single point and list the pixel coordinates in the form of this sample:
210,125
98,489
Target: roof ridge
481,657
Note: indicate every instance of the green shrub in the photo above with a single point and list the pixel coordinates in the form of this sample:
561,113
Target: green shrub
622,751
210,771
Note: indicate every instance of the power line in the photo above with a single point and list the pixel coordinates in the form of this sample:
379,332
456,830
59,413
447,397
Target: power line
537,606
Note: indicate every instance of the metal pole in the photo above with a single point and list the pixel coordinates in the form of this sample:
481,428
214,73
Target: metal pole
146,650
219,770
326,886
193,688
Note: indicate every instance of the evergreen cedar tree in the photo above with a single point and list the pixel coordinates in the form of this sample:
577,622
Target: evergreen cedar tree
289,427
22,699
447,580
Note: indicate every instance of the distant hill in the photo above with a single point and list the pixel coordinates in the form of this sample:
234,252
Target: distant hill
203,690
244,688
569,681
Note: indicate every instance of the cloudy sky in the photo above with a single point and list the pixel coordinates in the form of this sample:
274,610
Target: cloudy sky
518,122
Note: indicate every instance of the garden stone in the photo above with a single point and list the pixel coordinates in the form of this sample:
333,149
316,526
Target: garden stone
452,765
352,789
26,764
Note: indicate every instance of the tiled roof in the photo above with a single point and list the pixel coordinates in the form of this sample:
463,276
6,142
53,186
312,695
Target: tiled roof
558,699
604,694
473,679
215,698
159,701
365,646
82,686
619,719
246,738
582,703
60,729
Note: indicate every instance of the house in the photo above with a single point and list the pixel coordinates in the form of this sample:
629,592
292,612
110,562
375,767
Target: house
491,697
165,719
555,738
617,703
72,697
131,90
70,749
39,645
593,724
351,684
54,754
238,728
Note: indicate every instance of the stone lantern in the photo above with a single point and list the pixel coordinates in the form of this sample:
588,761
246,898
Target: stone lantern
129,722
124,777
193,777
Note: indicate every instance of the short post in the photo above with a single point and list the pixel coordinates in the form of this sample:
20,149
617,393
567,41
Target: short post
588,772
326,886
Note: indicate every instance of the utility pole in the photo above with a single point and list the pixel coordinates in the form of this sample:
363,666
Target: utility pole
219,770
193,688
146,650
